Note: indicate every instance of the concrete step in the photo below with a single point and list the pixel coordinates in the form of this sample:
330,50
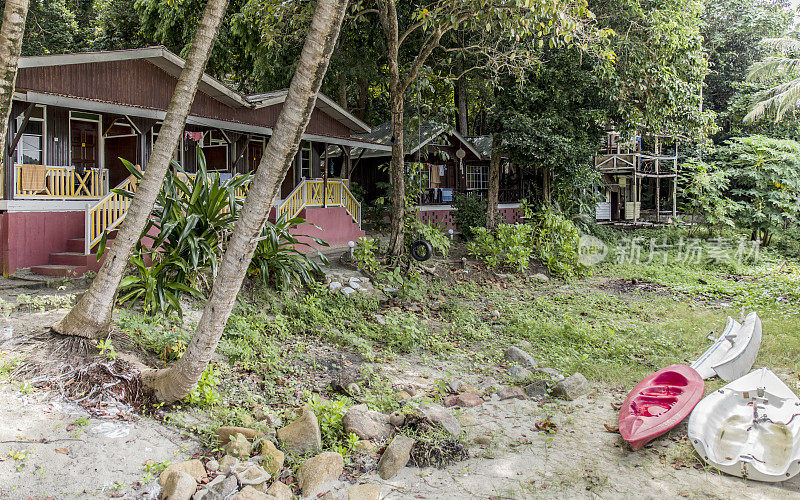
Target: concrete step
76,244
60,270
72,259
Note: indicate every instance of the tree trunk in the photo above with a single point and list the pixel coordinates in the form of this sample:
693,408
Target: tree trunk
91,316
363,99
176,381
343,91
11,34
461,106
493,212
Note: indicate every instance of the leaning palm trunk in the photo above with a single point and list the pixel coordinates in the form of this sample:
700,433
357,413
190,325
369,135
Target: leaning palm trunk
91,316
11,35
176,381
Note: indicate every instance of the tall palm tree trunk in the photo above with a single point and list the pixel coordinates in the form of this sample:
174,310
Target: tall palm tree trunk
91,316
11,34
492,207
177,380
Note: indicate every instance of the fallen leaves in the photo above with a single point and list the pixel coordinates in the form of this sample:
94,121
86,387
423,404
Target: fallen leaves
546,425
611,428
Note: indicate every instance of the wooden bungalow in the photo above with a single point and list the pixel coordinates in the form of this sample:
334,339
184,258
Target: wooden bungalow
74,115
453,164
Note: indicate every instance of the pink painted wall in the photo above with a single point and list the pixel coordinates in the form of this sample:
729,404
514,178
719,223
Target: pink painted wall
336,227
445,217
28,238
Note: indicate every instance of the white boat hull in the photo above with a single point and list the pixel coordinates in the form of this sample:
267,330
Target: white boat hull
750,428
717,351
745,344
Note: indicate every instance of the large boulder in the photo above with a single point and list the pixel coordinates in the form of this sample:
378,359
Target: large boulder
279,491
367,424
192,467
571,387
511,392
302,435
318,472
178,485
464,400
518,373
225,433
238,446
442,416
364,492
250,474
273,458
396,456
516,355
250,493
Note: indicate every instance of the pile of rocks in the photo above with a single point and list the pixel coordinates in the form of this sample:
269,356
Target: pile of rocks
350,285
542,381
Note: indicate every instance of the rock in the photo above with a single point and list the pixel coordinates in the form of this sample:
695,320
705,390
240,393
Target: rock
536,390
516,355
380,319
342,379
224,434
484,440
464,400
353,389
227,462
354,279
403,395
488,383
348,290
571,387
250,493
512,392
366,447
318,471
280,491
554,374
518,373
193,467
467,420
178,485
200,495
455,385
397,419
302,435
238,446
250,474
442,416
524,345
396,456
268,418
367,424
273,458
6,332
335,285
540,277
212,466
364,492
221,488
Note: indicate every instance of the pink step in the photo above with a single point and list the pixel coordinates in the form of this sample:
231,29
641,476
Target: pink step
60,270
71,259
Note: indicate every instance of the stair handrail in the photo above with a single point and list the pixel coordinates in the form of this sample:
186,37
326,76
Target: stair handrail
295,202
309,193
107,213
351,204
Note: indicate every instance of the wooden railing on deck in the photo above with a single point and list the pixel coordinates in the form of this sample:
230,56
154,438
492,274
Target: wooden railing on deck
309,193
62,182
107,213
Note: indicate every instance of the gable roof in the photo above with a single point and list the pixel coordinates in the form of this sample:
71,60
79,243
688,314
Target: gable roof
172,64
416,137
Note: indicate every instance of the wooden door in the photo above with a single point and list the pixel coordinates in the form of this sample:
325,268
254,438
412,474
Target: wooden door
254,152
83,143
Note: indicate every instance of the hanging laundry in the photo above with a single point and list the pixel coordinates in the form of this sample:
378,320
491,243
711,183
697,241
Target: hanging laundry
194,136
441,170
435,178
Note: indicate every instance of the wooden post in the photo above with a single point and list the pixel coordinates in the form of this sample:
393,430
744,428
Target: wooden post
325,178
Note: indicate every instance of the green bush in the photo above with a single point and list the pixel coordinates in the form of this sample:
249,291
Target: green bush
470,213
507,247
555,240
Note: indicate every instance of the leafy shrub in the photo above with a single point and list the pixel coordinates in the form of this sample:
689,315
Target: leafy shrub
435,234
163,336
205,392
702,191
365,255
277,259
330,414
470,213
507,247
159,286
556,241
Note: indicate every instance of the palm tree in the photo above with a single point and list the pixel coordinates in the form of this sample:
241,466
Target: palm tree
177,380
784,65
91,315
11,34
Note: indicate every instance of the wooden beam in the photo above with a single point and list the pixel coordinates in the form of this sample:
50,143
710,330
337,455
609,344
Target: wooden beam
244,152
26,117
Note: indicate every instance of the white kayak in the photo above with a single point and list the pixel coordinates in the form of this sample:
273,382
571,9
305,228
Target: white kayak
750,428
734,352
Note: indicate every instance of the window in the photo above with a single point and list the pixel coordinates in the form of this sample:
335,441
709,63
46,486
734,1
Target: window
215,150
30,149
305,161
80,115
120,127
477,177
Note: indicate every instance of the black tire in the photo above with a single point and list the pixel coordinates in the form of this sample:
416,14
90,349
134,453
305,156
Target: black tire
421,250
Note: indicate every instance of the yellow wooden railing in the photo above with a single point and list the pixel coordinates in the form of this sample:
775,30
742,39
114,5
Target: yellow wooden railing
240,192
313,193
107,213
59,182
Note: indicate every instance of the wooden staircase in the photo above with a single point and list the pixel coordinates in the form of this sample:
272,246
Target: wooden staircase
71,263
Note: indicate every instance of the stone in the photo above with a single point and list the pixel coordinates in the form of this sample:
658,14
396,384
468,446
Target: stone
495,314
268,418
571,387
540,277
250,493
403,395
318,472
397,419
344,378
488,383
6,332
353,389
484,440
335,285
192,467
354,280
367,424
238,446
348,291
467,420
273,458
224,434
554,374
455,385
227,462
464,400
364,492
380,319
251,475
512,392
178,485
212,466
442,416
201,495
536,390
395,457
516,355
279,491
518,373
302,435
366,447
221,488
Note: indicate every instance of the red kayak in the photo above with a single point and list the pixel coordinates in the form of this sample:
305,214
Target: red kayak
659,403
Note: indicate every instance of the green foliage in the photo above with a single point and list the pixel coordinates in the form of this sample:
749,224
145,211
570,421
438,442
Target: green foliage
205,392
163,336
555,241
158,286
470,213
507,247
434,234
278,260
702,188
365,255
329,414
